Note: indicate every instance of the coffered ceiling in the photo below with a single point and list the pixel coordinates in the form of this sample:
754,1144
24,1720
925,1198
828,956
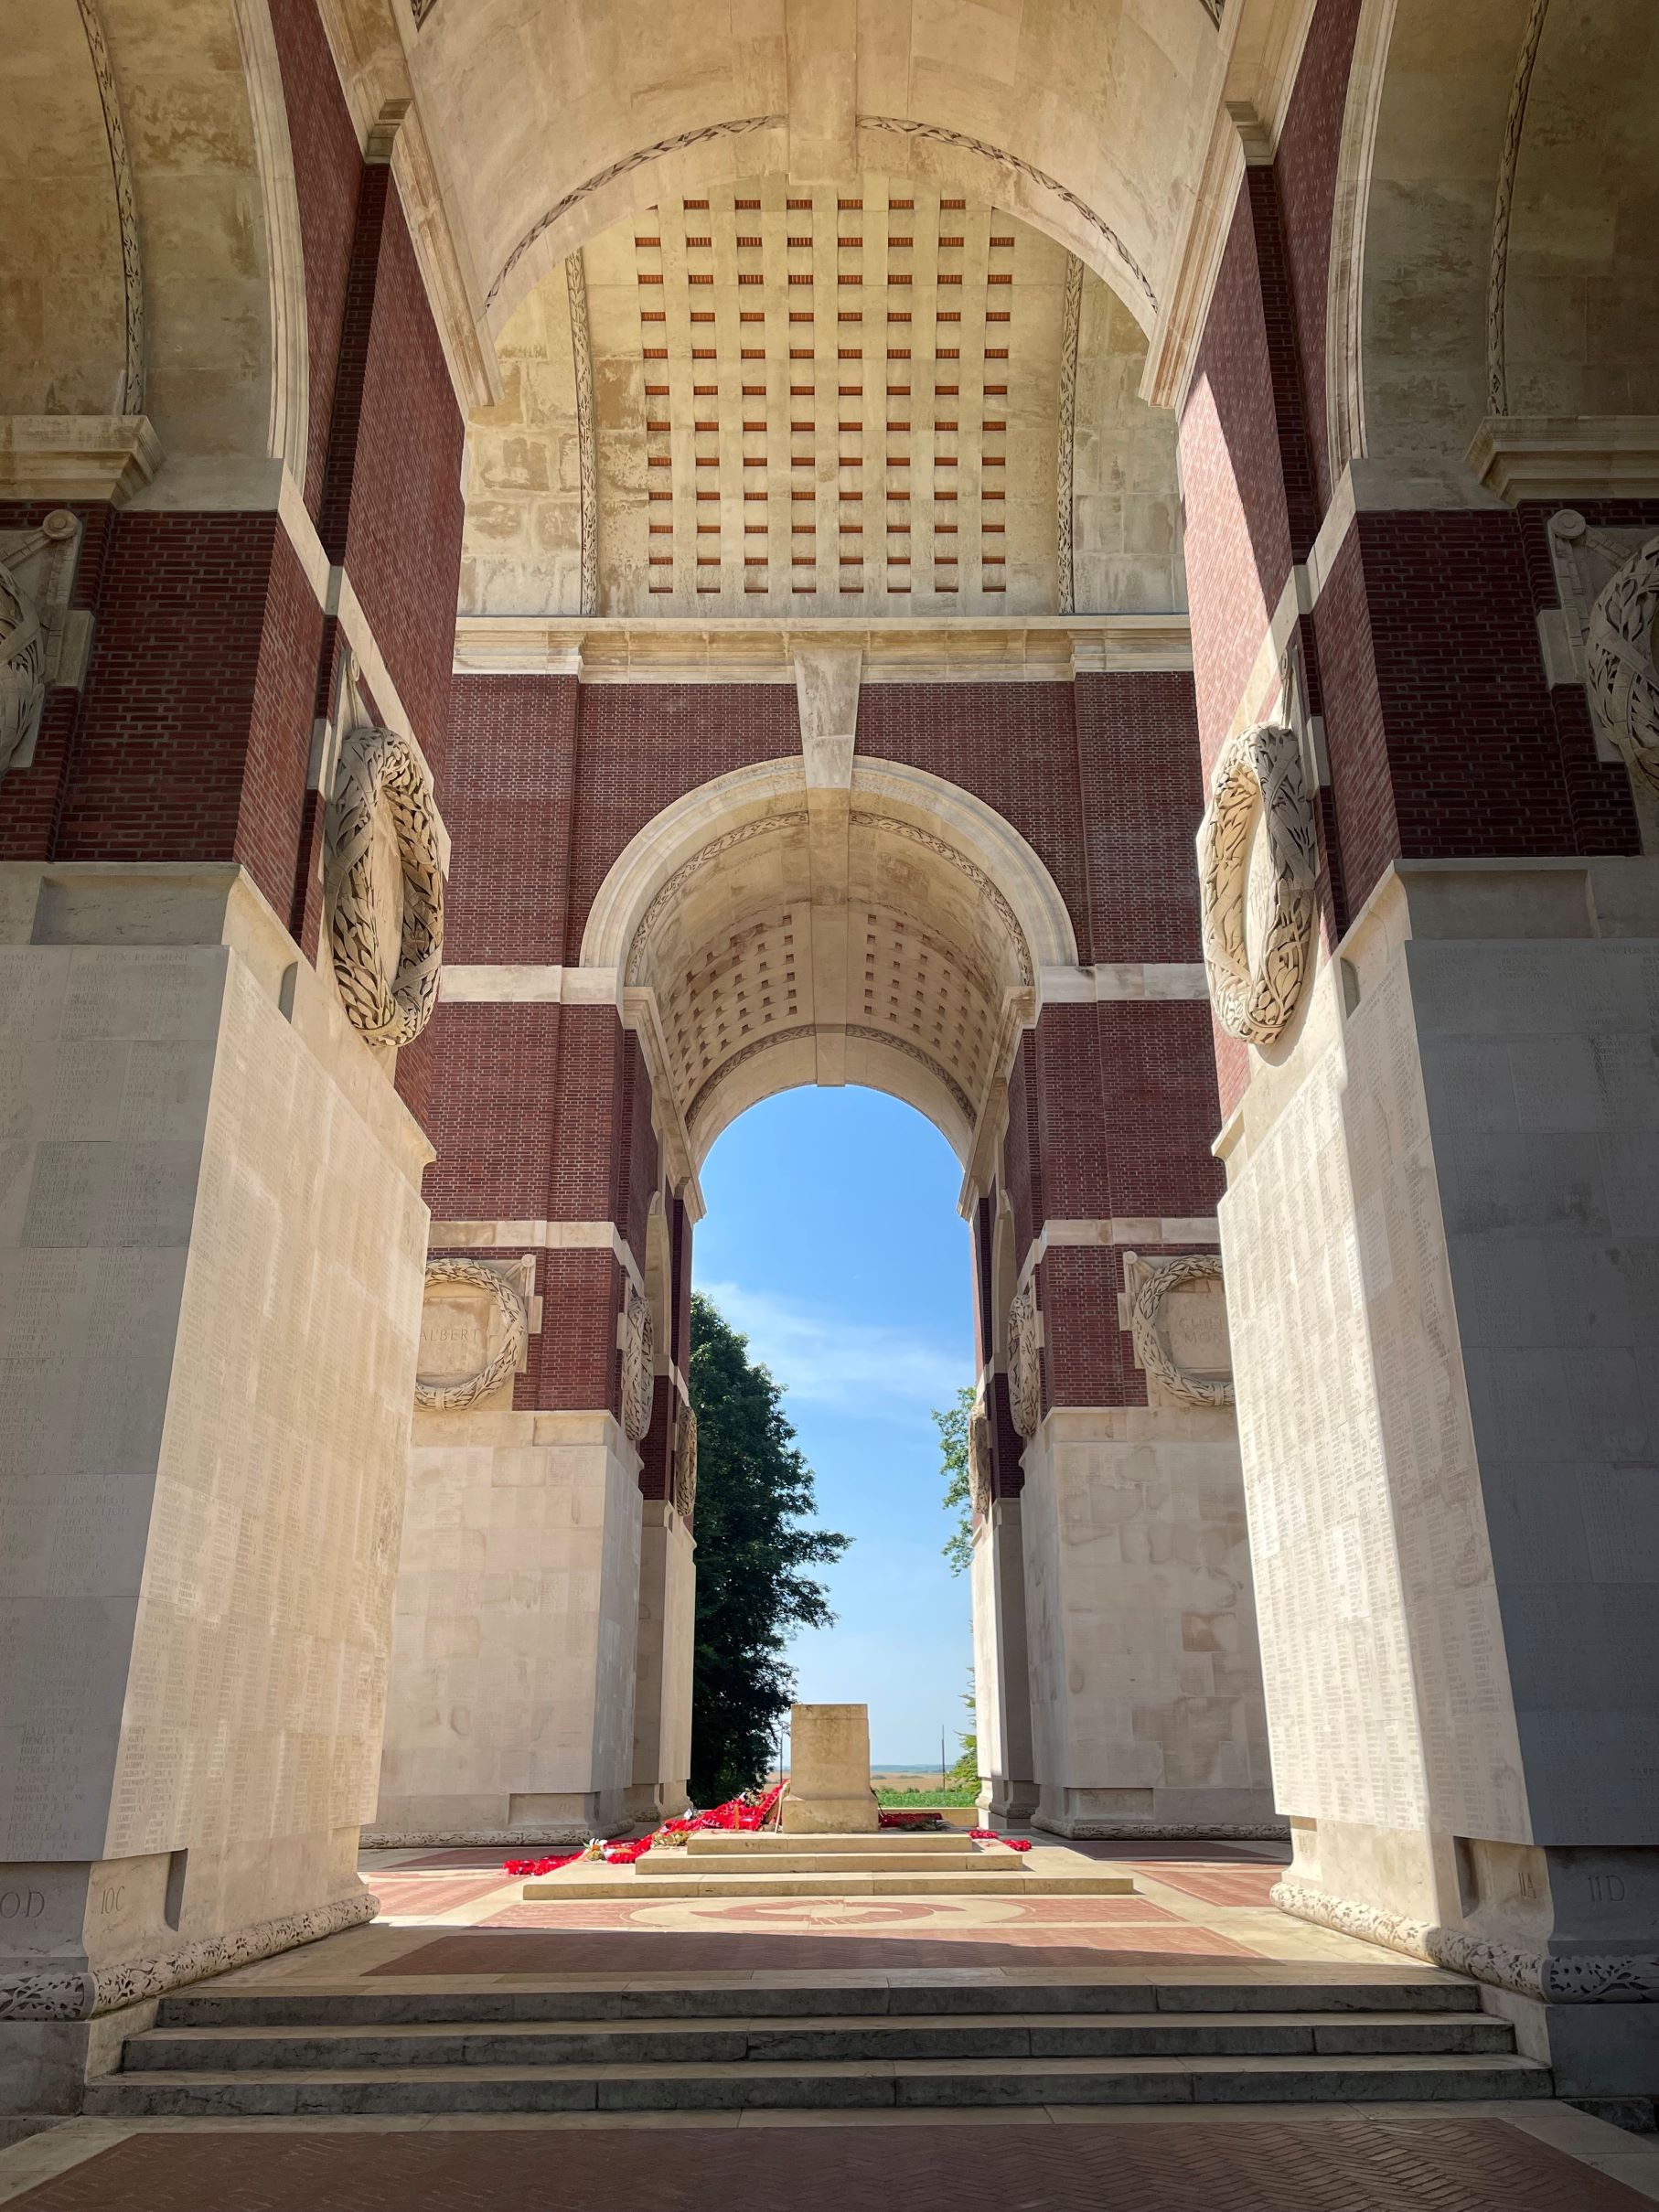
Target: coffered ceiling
878,399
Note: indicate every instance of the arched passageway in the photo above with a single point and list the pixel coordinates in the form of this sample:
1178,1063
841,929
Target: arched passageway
1189,367
834,918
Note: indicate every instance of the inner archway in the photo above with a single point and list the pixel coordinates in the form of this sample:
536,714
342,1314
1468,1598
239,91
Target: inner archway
832,1242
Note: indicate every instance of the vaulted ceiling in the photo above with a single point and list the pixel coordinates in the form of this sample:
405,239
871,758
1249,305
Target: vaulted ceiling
872,399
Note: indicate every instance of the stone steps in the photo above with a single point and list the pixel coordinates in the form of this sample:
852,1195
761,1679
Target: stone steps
806,2043
1420,1991
817,2084
678,2042
976,1882
807,1858
716,1843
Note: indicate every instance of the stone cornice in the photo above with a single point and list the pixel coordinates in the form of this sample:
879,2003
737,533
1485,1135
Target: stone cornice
968,649
1568,457
77,457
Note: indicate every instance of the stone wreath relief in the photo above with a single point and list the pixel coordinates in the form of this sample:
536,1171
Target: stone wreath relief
1620,663
389,1001
455,1394
1258,769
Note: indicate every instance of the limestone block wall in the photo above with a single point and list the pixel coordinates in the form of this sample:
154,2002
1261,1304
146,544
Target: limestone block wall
1145,1687
212,1241
1441,1256
511,1713
662,1670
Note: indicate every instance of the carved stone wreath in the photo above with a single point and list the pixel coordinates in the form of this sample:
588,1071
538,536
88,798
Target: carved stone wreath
380,768
1024,1362
978,1460
1620,666
637,1339
22,669
685,1464
455,1397
1259,767
1160,1277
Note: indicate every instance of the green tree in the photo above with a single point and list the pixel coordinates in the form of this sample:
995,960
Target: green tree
753,1490
966,1766
952,1425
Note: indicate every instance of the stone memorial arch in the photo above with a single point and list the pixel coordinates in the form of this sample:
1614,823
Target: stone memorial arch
834,916
1136,520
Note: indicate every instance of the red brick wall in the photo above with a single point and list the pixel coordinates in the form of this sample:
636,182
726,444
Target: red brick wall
494,1075
196,726
404,540
641,746
510,817
641,1169
1013,745
1237,526
1305,171
270,819
1142,800
327,168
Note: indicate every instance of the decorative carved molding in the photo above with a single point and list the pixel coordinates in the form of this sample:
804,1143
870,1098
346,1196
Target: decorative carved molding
737,127
510,1303
979,1460
1213,9
866,818
1344,293
420,10
869,1035
1097,223
1158,1279
80,1996
637,1341
378,768
800,1031
1025,1362
1585,1978
284,248
22,671
581,363
126,210
1070,320
1619,658
1259,767
634,971
1497,366
685,1463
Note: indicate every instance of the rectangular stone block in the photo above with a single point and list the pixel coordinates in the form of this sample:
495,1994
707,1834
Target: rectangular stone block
829,1791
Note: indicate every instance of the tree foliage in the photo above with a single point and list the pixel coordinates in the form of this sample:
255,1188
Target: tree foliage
755,1491
952,1425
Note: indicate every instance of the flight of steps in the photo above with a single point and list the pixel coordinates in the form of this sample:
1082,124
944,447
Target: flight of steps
813,2046
888,1864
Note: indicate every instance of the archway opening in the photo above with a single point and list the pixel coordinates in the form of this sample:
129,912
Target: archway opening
833,1242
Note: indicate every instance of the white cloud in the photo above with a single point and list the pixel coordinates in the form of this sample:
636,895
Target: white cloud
820,1359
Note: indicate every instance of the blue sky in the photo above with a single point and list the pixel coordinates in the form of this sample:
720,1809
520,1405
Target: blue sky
832,1241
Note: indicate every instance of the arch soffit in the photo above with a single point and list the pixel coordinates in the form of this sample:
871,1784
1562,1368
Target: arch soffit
681,833
771,797
1085,128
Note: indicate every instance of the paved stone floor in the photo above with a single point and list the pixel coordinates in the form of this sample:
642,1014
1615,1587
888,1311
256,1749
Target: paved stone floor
452,1915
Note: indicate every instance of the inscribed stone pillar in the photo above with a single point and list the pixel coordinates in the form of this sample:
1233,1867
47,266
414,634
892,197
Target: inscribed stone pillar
662,1670
1441,1231
210,1255
1001,1685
